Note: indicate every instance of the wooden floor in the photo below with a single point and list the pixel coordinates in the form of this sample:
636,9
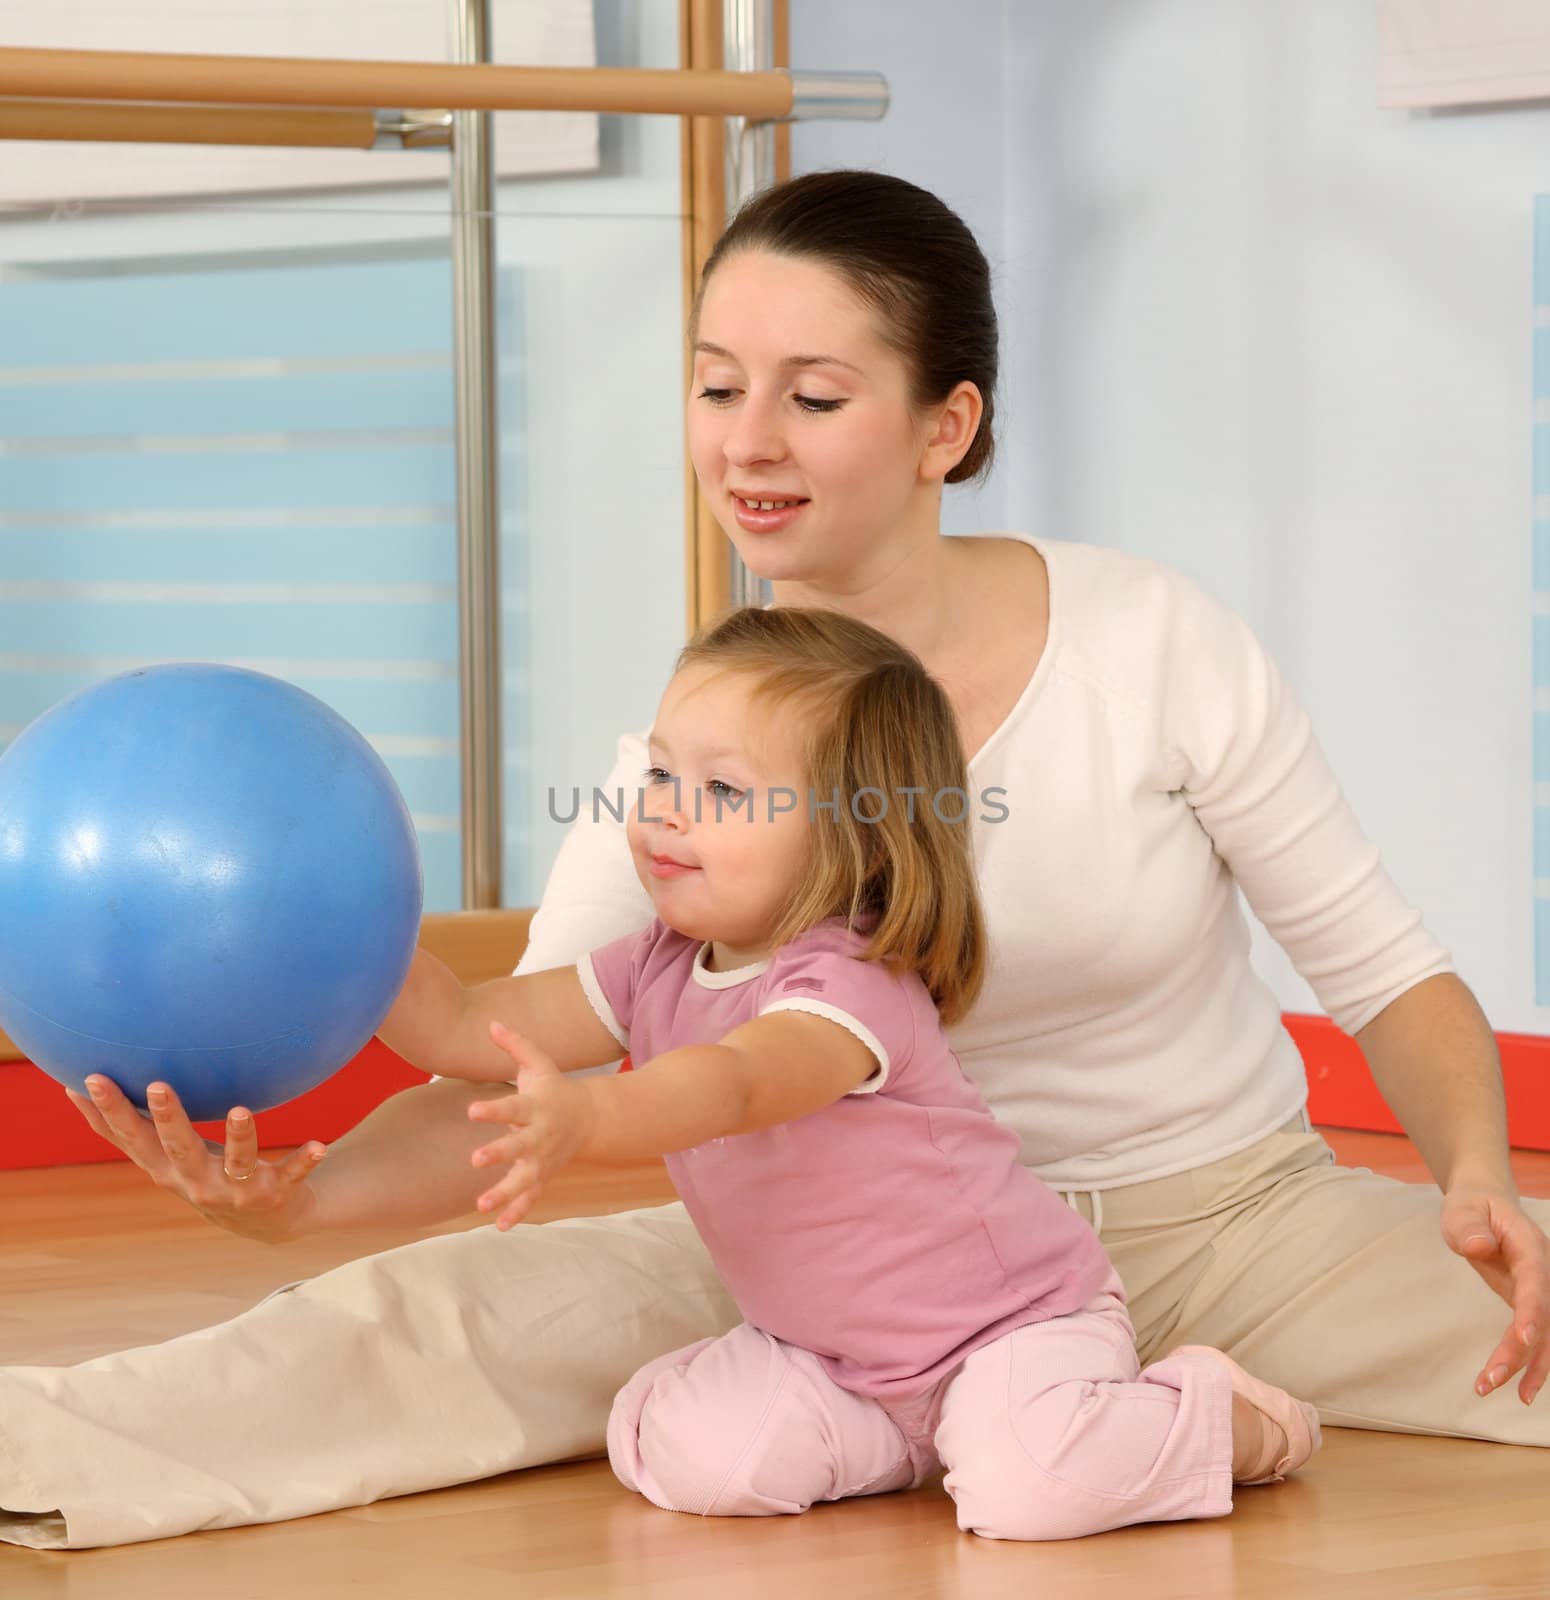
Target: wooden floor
93,1259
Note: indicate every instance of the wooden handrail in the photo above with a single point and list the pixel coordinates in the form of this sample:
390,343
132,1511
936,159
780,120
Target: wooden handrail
258,81
93,122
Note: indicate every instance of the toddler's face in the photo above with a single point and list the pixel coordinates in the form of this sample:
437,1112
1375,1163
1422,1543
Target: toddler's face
724,834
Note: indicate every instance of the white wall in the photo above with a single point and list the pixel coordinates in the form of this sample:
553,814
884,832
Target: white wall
944,129
1281,339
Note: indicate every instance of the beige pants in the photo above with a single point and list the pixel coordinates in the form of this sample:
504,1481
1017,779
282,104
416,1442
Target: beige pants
471,1354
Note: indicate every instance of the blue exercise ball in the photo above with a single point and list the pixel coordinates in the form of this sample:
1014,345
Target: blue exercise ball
207,878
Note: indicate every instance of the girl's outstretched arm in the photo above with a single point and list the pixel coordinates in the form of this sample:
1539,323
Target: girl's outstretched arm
443,1026
777,1068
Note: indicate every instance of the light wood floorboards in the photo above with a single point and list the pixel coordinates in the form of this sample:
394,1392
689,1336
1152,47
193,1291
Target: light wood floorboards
1378,1514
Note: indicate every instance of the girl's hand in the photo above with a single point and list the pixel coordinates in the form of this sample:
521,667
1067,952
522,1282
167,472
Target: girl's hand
230,1186
1510,1251
549,1117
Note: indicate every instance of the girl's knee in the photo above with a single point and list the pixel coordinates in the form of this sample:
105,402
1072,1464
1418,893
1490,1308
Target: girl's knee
674,1467
665,1443
627,1449
1026,1505
1008,1487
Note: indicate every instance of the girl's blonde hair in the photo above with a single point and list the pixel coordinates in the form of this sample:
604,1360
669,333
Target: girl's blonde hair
880,742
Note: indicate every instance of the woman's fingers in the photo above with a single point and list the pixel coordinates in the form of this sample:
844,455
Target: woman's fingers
1527,1257
1534,1359
240,1159
1507,1358
189,1154
1532,1362
227,1184
1511,1253
300,1164
240,1163
1518,1349
166,1143
123,1125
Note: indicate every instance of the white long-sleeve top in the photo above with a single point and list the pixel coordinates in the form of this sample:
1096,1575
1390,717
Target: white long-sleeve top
1154,764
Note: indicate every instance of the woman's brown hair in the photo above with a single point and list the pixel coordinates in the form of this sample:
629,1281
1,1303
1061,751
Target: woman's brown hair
905,254
884,762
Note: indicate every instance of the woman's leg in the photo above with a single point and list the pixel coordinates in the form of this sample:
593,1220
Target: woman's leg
1328,1281
1054,1432
747,1426
446,1360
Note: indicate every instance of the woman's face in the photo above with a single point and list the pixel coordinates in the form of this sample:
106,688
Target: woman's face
796,400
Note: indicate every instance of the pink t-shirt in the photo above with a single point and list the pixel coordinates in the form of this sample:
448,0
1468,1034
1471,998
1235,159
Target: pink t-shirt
892,1233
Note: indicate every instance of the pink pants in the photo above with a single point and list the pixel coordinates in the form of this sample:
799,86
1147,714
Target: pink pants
1052,1432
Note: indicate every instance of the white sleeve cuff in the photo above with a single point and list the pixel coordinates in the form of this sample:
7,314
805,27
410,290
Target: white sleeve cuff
819,1009
594,993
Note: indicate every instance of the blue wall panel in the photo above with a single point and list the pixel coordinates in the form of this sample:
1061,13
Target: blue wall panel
281,437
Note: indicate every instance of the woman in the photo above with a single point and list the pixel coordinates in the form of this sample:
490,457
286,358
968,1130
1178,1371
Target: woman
1149,764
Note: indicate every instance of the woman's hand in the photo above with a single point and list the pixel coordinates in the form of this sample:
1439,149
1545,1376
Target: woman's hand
549,1118
1510,1251
263,1200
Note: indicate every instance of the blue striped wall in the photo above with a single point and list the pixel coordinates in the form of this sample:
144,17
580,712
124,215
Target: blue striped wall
248,465
1541,565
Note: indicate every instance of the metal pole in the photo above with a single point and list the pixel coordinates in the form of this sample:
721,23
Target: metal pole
748,31
748,34
478,501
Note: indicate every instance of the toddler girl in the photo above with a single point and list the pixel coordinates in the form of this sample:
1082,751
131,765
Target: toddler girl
913,1296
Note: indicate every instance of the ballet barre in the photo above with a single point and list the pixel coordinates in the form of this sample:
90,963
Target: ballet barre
201,99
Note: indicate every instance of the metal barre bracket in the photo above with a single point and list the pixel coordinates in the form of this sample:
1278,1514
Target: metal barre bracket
413,130
837,96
